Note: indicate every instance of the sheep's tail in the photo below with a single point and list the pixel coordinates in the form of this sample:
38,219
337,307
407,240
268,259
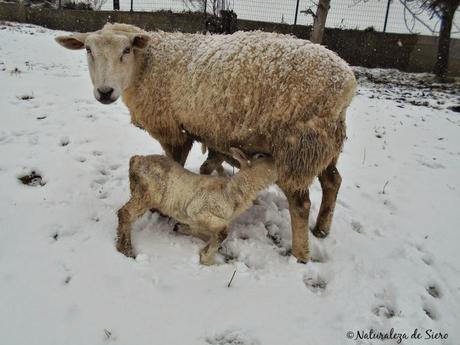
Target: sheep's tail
305,153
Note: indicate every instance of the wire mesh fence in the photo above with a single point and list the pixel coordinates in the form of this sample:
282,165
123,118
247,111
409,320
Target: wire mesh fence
404,16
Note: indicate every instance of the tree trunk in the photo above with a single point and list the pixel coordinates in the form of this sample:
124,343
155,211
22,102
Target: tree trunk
320,21
442,61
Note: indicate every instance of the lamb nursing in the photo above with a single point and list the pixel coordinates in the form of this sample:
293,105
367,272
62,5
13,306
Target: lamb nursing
260,92
204,205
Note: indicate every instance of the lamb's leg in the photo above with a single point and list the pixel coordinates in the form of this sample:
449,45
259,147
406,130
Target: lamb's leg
184,229
330,181
178,152
299,209
132,210
208,253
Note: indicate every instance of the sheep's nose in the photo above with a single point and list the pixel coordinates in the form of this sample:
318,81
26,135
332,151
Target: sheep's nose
105,92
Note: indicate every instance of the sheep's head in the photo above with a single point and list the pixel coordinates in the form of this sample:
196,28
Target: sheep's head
111,59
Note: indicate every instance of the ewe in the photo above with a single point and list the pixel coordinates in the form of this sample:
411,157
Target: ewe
204,205
260,92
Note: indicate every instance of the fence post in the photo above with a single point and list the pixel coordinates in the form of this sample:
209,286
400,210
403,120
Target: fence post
131,6
296,12
386,16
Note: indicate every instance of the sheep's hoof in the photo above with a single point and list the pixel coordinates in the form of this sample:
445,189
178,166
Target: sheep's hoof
302,258
125,248
319,233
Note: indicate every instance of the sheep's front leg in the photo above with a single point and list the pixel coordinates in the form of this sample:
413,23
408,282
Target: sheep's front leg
132,210
178,152
213,163
208,253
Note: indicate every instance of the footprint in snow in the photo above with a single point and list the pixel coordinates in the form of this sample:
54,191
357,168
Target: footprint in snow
97,153
315,283
430,310
81,159
357,226
64,141
384,311
434,291
32,179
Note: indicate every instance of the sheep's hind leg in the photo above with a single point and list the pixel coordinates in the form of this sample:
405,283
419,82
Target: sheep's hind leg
299,209
330,181
208,253
132,210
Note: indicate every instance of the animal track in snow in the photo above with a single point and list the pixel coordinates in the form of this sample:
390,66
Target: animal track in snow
32,179
97,153
434,291
64,141
357,226
315,283
430,311
384,311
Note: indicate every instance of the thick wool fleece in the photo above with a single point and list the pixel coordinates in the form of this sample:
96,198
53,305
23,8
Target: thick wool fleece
262,92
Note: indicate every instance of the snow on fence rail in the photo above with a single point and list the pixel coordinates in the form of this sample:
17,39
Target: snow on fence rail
344,14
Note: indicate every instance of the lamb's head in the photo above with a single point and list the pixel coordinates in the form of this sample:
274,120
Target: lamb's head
111,59
260,165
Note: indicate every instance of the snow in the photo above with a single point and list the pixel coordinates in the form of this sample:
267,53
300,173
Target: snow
391,260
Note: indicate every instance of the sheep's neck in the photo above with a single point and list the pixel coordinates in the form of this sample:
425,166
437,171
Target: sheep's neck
249,181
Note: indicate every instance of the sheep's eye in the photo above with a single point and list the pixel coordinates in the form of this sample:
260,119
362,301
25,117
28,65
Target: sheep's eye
88,50
127,50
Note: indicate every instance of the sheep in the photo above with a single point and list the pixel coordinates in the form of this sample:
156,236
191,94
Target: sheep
261,92
204,205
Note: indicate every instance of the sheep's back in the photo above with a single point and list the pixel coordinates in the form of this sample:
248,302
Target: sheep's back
259,80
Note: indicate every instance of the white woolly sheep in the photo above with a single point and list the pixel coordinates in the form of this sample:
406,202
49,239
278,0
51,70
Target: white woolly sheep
261,92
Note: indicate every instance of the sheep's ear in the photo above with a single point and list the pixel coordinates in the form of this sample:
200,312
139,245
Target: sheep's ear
240,157
140,40
74,42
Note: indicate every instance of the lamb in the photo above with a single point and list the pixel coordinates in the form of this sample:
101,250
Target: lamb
261,92
204,205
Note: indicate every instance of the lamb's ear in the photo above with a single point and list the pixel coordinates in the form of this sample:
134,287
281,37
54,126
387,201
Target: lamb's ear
240,157
140,41
75,41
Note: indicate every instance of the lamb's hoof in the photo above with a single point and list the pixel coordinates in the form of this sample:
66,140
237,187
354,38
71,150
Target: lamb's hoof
125,249
206,259
319,233
302,261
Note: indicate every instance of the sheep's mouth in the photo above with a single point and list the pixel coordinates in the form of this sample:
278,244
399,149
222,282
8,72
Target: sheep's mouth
106,100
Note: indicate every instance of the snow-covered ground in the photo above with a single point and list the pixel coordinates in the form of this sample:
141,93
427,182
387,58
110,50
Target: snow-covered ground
392,259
